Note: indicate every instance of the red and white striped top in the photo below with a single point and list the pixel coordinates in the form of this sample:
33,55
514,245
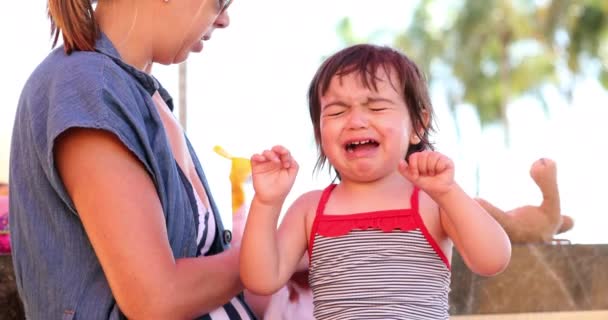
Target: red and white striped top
376,265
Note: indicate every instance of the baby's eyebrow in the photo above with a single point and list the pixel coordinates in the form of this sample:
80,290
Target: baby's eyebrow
376,99
367,102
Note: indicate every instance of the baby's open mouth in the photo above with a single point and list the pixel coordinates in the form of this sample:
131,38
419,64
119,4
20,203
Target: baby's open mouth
354,145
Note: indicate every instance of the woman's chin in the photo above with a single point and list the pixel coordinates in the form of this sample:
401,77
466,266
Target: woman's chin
180,57
197,47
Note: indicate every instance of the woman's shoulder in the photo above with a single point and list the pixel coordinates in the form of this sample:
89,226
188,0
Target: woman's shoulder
83,90
85,85
80,72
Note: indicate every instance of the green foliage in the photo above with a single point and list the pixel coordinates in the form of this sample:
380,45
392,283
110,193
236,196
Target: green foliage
499,50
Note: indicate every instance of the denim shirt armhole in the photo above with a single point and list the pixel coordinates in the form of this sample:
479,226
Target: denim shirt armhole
103,111
54,176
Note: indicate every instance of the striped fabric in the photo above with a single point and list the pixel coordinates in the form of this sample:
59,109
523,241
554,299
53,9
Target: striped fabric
235,309
377,265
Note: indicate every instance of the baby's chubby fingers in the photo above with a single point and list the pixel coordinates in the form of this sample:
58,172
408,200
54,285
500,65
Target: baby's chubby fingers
280,150
403,168
257,159
443,163
423,162
413,165
432,161
287,161
271,155
407,170
276,157
264,157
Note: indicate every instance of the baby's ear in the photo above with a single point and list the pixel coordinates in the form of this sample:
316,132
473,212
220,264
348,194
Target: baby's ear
420,128
426,120
414,138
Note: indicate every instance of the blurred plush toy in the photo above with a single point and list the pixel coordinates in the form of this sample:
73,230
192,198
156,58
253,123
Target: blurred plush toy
535,224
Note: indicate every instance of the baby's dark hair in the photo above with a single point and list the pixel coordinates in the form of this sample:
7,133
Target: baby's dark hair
365,60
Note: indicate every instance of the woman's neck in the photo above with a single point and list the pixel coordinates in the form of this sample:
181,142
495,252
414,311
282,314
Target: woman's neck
120,22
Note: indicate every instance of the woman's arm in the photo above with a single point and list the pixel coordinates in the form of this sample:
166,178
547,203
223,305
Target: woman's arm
122,216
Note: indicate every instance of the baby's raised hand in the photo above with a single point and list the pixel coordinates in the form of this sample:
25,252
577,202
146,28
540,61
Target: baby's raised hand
273,172
430,171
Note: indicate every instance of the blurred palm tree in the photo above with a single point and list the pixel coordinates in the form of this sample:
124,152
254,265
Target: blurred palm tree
489,52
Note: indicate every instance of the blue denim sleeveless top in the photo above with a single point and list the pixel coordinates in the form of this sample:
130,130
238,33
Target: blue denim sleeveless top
58,275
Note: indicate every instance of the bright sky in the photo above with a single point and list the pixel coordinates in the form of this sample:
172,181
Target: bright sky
247,92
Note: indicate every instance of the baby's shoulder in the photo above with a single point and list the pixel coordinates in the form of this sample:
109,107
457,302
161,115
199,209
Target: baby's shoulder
426,204
306,205
308,200
429,212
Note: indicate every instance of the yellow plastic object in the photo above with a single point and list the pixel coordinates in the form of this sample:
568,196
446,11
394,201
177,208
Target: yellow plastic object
239,173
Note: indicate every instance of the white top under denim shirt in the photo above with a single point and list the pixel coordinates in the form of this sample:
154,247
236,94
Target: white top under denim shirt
58,275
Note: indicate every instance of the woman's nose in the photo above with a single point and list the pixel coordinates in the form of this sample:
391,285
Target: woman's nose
223,20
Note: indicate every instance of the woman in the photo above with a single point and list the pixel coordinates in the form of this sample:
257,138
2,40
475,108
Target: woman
110,211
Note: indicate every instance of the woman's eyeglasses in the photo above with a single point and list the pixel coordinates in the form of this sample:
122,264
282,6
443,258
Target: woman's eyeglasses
224,5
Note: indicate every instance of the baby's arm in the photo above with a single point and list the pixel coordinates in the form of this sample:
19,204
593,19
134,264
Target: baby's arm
269,257
480,240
